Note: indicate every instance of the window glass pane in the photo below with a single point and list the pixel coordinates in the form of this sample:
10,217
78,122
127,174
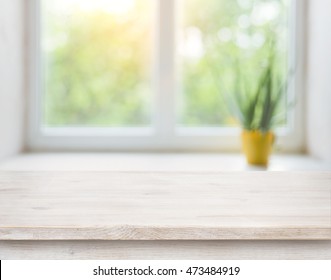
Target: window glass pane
218,38
97,62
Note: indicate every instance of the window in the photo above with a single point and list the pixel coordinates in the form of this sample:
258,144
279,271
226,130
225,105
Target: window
148,74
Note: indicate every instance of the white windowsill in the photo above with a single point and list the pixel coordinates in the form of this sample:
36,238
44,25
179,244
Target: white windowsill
154,162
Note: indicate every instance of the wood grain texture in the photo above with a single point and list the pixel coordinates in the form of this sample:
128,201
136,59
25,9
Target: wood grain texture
165,250
165,206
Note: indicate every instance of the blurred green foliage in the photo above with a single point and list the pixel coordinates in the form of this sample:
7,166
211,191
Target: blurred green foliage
262,107
229,33
98,65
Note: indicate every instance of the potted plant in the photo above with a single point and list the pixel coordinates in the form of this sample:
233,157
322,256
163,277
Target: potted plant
258,111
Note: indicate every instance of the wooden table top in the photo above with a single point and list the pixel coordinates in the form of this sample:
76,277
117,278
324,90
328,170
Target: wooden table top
69,205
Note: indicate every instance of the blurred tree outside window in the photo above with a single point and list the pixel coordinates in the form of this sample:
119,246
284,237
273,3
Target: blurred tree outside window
97,62
215,37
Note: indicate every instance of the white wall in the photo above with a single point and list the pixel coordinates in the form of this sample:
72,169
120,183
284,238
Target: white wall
11,76
319,79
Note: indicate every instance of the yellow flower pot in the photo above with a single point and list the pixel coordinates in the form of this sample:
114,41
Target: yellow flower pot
257,146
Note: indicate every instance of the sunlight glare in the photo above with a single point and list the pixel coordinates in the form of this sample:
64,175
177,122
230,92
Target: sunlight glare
193,46
117,7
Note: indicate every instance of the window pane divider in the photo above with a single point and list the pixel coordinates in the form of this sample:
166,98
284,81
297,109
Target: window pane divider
165,121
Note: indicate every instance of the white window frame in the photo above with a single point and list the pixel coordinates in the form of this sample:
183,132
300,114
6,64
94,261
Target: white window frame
164,135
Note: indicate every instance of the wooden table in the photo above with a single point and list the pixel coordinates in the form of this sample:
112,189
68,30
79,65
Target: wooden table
162,215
